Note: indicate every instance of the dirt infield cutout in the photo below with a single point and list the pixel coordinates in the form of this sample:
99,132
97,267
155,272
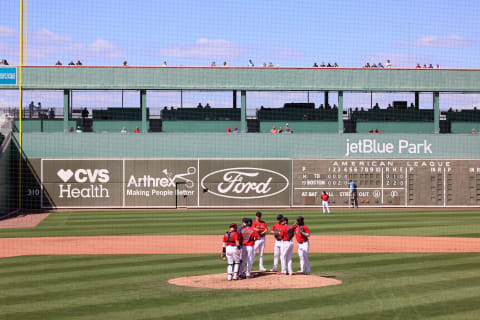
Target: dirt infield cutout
261,281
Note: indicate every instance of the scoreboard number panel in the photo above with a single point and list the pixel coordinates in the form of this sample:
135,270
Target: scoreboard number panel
388,182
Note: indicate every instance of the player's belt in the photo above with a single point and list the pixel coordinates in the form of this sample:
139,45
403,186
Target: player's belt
303,242
287,240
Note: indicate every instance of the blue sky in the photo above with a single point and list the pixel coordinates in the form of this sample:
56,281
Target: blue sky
288,33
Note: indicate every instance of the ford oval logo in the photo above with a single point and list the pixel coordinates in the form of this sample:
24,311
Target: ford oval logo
245,183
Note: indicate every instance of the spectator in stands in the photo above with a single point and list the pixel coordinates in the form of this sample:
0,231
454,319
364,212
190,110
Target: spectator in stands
374,65
322,65
224,63
270,64
389,64
376,106
335,107
370,131
125,63
79,63
72,129
4,62
39,106
79,130
280,130
287,128
207,106
437,66
264,64
389,107
424,66
377,131
329,65
250,63
164,64
335,65
315,65
58,63
199,106
228,130
380,65
85,113
213,64
411,106
321,107
71,63
136,130
236,130
51,113
367,65
273,130
31,106
418,66
327,107
123,130
430,66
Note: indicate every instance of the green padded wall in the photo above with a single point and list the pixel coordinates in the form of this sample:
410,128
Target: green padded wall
465,126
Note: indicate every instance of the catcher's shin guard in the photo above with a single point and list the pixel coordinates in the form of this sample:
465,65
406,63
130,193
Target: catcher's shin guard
235,270
229,271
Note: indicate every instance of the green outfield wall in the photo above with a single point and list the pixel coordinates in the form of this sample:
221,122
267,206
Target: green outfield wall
7,174
220,78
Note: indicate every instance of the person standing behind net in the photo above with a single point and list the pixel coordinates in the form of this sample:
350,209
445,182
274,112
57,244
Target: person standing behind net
261,227
249,235
232,251
302,234
325,197
287,234
277,247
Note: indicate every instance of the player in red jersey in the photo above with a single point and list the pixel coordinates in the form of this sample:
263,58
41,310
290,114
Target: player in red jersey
249,235
277,247
261,227
232,251
325,202
287,247
302,234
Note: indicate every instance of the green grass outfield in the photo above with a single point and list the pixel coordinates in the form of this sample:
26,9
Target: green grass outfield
375,286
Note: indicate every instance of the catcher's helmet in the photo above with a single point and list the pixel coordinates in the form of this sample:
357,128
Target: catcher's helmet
233,225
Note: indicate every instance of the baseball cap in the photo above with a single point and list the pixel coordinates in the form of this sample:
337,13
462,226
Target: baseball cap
299,218
280,217
233,224
245,220
258,214
285,219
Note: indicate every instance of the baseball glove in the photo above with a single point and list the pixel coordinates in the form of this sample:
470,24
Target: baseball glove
223,256
277,235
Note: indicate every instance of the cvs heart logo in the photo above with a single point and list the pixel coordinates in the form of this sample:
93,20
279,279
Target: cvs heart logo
65,175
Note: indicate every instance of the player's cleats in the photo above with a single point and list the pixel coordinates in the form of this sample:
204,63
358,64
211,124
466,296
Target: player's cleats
273,270
263,269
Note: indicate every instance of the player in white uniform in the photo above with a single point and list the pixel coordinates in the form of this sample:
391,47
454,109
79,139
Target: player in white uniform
232,251
261,227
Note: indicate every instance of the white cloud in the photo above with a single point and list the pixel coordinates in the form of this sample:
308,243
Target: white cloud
451,41
104,48
49,36
205,49
285,52
7,32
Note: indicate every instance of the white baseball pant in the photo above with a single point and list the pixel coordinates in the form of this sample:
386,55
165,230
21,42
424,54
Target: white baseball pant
286,256
233,259
260,247
248,257
303,256
325,205
277,248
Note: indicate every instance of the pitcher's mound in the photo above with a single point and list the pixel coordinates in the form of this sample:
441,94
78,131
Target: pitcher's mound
261,280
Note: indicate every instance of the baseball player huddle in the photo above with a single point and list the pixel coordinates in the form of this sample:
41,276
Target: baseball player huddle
241,244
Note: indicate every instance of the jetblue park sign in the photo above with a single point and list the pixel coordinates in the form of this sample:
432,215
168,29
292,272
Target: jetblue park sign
372,146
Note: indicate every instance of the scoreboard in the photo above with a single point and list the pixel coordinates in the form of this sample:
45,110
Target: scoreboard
389,182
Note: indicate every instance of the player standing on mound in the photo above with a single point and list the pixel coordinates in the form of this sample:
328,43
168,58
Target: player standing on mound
302,234
232,251
277,247
261,227
241,269
287,234
249,235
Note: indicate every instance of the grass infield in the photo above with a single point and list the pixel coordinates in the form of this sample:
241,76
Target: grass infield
375,286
